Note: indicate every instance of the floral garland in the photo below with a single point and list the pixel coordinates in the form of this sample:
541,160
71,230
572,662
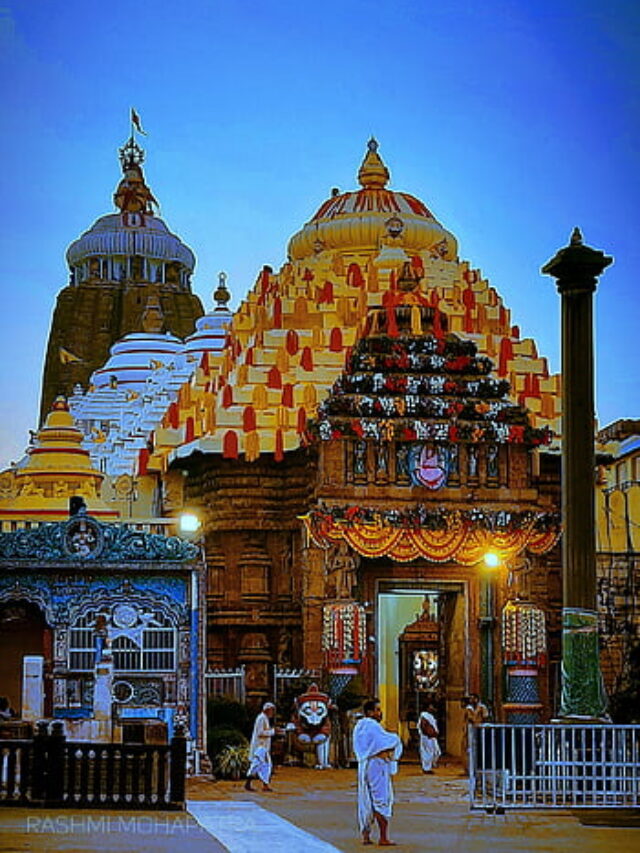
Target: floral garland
524,636
403,429
343,633
402,383
437,518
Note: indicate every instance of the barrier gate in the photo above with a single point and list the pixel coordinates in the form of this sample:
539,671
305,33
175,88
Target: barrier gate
554,766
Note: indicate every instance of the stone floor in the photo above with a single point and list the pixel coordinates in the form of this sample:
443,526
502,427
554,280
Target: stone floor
310,811
431,813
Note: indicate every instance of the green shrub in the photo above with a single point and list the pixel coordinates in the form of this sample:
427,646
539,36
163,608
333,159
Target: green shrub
232,762
220,737
223,712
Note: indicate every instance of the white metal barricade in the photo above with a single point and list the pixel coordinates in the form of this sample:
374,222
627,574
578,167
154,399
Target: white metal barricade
554,766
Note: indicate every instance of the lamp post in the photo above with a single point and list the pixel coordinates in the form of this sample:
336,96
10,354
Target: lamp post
576,268
190,527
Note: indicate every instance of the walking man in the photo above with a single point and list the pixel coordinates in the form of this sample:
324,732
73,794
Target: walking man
260,748
429,746
377,752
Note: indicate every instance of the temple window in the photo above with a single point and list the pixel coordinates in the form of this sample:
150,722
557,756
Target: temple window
137,267
148,645
172,273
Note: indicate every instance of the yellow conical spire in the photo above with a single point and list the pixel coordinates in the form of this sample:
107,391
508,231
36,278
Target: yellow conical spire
373,174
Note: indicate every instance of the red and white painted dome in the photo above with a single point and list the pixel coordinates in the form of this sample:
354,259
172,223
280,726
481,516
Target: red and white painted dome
362,220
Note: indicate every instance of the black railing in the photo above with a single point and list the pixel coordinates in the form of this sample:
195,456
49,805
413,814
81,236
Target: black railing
49,770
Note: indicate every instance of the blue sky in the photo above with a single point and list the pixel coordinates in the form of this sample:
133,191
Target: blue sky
512,121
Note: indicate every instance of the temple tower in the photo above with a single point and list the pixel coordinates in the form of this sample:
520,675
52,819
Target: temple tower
124,261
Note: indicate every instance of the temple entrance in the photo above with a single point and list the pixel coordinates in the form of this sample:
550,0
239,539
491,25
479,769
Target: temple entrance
23,631
422,658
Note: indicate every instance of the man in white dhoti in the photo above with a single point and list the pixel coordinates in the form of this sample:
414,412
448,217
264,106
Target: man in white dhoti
260,748
429,747
377,751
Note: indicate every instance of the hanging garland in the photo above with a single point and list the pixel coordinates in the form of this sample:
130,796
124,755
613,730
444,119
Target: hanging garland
438,534
524,636
343,634
405,429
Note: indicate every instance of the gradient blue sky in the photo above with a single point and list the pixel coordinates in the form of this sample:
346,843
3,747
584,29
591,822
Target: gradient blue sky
512,121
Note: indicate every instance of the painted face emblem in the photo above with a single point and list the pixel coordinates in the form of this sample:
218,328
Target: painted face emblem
313,712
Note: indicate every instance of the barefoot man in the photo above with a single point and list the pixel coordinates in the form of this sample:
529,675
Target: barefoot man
260,748
377,751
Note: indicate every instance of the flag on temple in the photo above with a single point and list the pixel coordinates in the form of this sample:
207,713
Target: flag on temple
67,357
135,121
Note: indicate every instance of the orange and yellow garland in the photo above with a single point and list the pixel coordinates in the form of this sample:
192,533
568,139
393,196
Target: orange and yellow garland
461,541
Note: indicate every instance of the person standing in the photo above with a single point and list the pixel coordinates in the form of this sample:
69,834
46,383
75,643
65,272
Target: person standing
429,747
260,766
475,713
377,752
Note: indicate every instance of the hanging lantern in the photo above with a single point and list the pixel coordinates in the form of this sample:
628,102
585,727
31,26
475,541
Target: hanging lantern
344,635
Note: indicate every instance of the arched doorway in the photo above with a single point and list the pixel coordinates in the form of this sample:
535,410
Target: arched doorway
23,631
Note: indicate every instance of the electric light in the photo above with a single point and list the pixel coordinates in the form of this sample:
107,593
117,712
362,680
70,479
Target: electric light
189,522
491,560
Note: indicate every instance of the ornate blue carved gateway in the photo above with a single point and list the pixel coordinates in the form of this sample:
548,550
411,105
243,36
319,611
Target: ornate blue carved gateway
114,600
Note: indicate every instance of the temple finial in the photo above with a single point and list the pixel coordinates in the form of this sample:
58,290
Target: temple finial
133,195
373,174
221,295
576,237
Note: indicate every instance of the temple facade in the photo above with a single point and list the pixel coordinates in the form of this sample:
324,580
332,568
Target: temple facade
374,428
371,447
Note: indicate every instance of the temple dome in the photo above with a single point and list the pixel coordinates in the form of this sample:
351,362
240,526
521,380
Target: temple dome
134,357
110,236
211,328
57,468
365,219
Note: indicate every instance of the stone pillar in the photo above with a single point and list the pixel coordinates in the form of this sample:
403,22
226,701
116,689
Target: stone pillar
32,688
576,268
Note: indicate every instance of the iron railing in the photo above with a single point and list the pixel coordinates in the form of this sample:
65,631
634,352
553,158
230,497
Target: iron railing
225,682
554,766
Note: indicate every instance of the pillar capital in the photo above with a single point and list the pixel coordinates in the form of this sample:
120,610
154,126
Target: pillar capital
577,267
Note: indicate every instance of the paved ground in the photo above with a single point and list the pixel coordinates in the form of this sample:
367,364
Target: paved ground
85,831
310,811
431,814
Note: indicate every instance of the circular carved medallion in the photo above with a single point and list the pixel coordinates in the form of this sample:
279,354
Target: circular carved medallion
83,538
124,616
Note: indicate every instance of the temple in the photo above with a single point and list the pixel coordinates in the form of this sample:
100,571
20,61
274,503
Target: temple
370,446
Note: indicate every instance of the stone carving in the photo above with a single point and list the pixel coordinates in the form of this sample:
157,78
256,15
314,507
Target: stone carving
111,543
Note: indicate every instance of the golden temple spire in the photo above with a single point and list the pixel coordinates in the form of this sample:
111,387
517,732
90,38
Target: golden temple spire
373,174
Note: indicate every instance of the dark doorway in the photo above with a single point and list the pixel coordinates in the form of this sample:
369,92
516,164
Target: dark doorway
23,631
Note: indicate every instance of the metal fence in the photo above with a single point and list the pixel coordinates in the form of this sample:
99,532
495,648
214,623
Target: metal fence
554,766
226,682
49,770
287,677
